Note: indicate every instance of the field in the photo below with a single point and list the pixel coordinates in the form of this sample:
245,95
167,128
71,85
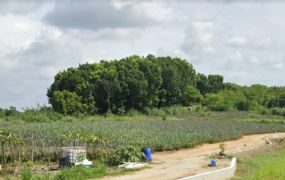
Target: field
43,139
264,166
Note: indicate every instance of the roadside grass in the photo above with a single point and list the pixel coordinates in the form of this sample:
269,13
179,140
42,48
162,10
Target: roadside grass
80,173
267,166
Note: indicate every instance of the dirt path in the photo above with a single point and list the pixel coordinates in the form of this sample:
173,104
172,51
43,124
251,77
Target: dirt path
186,162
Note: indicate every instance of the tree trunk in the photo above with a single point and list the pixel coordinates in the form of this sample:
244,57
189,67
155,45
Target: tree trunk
109,104
108,92
12,153
19,154
3,153
33,144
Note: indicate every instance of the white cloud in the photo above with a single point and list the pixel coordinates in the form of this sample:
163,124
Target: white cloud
200,37
18,31
20,7
157,11
264,43
96,15
242,41
237,41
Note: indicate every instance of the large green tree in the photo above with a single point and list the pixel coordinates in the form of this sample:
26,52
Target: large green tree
117,86
106,84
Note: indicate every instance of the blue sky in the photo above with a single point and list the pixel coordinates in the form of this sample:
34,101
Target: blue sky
242,40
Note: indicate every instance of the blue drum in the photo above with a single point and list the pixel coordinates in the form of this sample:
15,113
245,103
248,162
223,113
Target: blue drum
148,153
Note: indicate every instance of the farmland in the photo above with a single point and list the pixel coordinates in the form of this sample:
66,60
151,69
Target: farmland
43,139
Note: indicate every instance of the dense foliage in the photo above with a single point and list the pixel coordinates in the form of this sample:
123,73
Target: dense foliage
144,83
126,154
117,86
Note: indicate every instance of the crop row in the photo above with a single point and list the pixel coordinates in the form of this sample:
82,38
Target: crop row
47,138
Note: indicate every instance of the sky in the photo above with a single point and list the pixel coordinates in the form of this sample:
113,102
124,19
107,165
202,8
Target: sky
242,40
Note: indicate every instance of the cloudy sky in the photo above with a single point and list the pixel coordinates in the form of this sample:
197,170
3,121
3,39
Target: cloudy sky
242,40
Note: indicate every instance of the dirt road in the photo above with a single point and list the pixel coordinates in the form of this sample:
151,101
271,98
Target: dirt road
186,162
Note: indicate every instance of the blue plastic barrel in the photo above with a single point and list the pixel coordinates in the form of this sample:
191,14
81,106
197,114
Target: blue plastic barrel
213,163
148,153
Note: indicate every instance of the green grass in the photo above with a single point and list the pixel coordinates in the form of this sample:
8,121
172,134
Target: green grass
267,166
168,129
174,132
78,173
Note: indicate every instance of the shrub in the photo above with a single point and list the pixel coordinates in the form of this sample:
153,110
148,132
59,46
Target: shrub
222,149
68,103
81,173
243,105
175,110
197,108
191,95
278,111
26,172
75,173
12,111
219,107
157,112
126,154
211,99
164,117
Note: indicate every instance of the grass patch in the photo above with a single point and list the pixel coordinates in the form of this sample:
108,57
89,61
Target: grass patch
265,166
81,173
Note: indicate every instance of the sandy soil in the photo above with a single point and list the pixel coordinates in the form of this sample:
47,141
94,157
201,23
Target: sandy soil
186,162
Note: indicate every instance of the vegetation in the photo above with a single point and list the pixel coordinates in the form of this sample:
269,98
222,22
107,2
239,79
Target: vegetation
78,173
114,108
27,173
264,166
119,86
126,154
104,135
144,83
222,149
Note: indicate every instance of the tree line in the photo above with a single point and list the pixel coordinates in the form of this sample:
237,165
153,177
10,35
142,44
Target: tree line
144,83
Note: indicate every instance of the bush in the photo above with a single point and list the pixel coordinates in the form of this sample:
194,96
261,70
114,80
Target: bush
126,154
243,105
39,115
156,112
211,99
219,107
67,103
191,95
164,117
278,111
197,108
26,172
175,110
133,112
12,111
81,173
